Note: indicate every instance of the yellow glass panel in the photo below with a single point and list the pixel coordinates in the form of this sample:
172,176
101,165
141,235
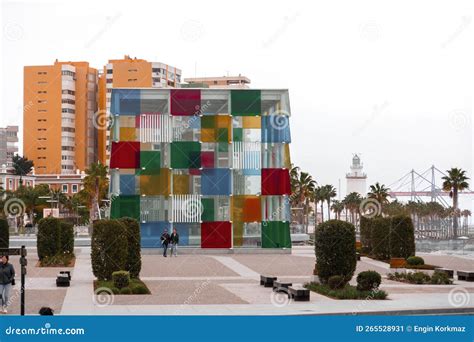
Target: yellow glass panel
223,121
181,184
251,122
127,120
208,135
238,228
128,134
286,156
156,185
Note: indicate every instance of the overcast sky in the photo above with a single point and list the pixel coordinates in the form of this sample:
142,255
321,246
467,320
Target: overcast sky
390,80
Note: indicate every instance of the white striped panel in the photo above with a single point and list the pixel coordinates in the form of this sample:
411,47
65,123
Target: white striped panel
155,128
186,208
246,155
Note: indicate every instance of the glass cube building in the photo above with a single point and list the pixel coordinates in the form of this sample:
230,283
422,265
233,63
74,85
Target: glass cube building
212,163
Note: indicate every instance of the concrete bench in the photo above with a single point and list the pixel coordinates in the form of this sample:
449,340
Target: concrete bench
280,286
63,280
298,294
267,281
448,271
465,275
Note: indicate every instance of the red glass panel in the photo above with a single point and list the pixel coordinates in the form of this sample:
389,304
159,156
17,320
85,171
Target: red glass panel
275,182
207,159
185,101
125,155
216,234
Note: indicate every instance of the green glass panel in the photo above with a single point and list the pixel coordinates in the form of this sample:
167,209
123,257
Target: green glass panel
125,206
208,122
246,102
208,210
222,135
185,155
149,163
276,234
238,228
223,147
238,134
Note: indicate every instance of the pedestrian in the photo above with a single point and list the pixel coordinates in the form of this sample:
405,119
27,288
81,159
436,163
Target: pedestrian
7,280
174,240
46,311
165,239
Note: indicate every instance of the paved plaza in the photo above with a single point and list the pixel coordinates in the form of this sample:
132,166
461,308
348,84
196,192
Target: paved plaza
228,284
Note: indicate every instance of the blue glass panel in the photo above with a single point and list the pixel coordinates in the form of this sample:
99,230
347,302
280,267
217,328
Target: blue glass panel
127,185
215,182
125,102
183,232
151,232
275,128
251,172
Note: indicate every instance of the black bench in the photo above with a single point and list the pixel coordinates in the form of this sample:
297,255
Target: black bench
267,281
358,256
449,272
466,275
63,280
298,294
280,286
68,273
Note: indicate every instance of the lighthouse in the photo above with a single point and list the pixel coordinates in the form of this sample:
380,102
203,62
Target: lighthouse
356,179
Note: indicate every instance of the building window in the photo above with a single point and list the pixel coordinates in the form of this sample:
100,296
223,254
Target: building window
110,71
67,148
10,184
109,80
74,188
68,101
65,188
42,101
68,110
42,72
68,73
68,92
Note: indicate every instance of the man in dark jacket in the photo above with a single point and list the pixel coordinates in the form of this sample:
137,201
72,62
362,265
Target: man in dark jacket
174,240
165,239
7,276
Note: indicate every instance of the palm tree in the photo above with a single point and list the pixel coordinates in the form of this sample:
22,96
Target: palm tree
352,202
330,192
96,186
337,206
319,197
466,214
304,189
379,192
21,166
455,181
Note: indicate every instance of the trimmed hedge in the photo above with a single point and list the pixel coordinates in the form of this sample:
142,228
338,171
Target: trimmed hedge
67,238
336,282
402,237
368,280
48,240
415,261
121,279
109,249
335,250
380,237
4,234
134,259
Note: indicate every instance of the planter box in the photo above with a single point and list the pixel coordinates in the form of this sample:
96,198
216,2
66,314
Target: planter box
397,263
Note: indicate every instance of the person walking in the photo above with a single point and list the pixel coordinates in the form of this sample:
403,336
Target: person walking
174,240
7,280
165,239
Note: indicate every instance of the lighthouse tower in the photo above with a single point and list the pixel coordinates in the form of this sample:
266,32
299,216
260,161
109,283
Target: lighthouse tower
356,179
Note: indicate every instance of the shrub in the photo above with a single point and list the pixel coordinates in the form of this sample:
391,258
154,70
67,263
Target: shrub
4,234
139,289
335,250
57,260
415,261
121,279
368,280
365,232
126,290
108,248
418,277
134,261
115,290
440,278
48,239
336,282
380,237
67,238
402,237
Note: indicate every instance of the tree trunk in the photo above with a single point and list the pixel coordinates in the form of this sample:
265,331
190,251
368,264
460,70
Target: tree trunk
329,209
322,211
455,216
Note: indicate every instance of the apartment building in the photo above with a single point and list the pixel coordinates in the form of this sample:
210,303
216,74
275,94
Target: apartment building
8,145
58,119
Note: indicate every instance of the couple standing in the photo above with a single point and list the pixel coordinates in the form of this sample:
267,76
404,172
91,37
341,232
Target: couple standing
172,239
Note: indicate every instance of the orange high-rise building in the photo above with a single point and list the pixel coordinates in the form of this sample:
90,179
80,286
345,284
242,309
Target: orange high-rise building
58,119
128,73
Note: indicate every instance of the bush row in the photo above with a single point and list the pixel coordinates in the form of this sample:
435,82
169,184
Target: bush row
54,237
388,237
4,234
116,247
